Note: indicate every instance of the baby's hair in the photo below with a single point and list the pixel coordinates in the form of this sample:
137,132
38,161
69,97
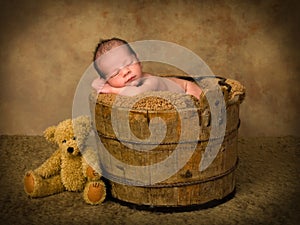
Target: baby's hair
106,45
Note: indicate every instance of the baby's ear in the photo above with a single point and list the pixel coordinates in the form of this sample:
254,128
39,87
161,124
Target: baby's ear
49,134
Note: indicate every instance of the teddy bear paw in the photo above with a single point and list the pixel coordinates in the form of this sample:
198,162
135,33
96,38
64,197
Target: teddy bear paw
95,192
29,182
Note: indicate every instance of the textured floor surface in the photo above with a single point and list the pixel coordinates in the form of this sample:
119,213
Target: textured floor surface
267,191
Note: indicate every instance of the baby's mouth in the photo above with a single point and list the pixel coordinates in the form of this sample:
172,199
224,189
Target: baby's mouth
131,79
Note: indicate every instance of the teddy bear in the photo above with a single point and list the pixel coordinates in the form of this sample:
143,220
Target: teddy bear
67,168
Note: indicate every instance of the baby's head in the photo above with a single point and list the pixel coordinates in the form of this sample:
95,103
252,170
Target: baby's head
106,45
114,59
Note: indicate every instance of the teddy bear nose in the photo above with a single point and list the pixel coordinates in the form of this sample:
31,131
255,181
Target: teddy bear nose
70,149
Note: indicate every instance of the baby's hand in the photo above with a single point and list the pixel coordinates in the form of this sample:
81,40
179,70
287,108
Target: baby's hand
98,84
109,89
106,88
193,89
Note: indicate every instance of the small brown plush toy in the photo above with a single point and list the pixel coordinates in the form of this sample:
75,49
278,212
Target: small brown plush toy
67,169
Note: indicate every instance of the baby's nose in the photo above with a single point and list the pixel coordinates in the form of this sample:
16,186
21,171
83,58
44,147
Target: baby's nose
125,71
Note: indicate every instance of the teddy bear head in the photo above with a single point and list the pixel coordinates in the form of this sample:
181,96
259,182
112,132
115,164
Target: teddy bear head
70,135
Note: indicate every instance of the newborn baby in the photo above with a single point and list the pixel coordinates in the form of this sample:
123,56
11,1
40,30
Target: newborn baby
121,73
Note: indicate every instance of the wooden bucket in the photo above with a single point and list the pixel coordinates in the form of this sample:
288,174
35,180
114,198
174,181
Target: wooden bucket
189,185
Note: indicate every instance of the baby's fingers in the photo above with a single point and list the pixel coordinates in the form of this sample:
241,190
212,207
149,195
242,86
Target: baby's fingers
105,89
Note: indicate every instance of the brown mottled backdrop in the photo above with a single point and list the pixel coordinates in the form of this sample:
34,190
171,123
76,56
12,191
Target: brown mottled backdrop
47,45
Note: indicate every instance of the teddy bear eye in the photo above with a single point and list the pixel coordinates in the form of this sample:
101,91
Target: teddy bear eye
74,138
64,141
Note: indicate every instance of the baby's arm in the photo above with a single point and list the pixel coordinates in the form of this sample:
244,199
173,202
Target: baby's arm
189,87
150,83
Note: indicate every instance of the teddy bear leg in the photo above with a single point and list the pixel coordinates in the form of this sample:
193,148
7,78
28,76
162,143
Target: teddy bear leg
36,186
94,192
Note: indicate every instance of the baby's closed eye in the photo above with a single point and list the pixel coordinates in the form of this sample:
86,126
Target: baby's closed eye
116,73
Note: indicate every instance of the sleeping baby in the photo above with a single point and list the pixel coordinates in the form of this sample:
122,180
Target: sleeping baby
120,72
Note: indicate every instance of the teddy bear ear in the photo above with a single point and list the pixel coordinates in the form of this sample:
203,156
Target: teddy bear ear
49,133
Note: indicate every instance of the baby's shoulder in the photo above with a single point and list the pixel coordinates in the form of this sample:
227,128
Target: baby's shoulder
149,79
147,75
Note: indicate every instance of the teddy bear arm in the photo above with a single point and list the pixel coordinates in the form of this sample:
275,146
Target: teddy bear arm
51,166
90,168
89,172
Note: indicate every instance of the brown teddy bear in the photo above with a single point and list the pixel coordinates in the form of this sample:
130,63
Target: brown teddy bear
67,169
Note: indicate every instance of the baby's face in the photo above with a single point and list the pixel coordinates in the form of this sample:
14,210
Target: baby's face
120,67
